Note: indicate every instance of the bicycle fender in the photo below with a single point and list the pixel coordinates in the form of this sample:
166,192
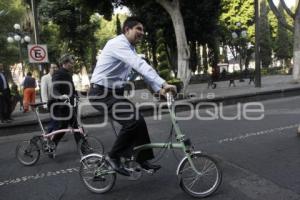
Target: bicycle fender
183,159
90,155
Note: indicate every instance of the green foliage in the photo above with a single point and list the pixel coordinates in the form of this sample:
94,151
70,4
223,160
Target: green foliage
174,81
77,25
201,19
11,12
107,29
273,71
234,11
265,36
49,35
283,43
163,65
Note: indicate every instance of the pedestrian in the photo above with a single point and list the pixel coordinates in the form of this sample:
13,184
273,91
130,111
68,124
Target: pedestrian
29,85
15,97
46,89
5,103
117,59
63,88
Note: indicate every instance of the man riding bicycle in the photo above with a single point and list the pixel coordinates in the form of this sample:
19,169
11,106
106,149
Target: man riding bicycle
117,59
63,88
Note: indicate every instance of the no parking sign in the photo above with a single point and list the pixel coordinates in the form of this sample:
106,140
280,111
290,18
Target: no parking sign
37,53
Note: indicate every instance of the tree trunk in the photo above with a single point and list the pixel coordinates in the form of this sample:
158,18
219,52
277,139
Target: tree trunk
173,8
193,58
93,57
296,68
204,58
153,52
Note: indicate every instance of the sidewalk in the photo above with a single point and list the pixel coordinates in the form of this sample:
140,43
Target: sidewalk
272,87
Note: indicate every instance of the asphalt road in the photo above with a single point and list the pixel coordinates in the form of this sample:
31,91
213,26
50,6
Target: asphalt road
259,158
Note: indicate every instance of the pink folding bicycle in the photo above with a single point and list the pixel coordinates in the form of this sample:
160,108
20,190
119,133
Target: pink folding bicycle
28,151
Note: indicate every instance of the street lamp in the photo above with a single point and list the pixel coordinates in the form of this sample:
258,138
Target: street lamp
239,35
20,37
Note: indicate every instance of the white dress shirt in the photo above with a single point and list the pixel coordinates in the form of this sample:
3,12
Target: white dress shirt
117,59
46,84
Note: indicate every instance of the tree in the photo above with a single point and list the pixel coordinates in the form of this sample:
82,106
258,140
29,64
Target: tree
76,28
265,36
205,58
283,44
11,12
201,24
295,28
118,25
173,8
234,13
163,65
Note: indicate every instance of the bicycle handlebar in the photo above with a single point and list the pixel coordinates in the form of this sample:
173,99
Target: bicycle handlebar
75,103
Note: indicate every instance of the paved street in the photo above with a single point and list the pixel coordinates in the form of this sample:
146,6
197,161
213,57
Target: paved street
260,159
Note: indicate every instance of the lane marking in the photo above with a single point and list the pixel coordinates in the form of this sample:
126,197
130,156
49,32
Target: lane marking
264,132
38,176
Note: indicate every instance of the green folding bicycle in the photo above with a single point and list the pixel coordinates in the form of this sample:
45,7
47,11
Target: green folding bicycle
199,174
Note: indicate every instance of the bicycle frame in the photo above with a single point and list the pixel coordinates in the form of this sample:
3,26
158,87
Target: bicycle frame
182,143
96,167
49,135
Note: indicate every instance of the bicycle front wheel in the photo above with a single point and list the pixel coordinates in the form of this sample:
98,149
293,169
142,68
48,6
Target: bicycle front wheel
27,153
203,181
96,174
90,144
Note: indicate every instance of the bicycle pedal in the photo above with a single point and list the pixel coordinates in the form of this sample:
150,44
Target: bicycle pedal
135,173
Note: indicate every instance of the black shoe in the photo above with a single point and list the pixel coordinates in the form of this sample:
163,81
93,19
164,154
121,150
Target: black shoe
116,165
147,166
51,150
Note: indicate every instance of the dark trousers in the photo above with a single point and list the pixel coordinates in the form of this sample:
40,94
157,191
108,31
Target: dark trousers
5,105
64,111
52,125
134,130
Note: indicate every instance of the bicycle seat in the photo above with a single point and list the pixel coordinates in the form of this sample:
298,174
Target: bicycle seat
38,104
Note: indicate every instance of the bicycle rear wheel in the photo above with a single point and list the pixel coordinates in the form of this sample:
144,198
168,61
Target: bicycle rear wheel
90,144
96,174
27,153
204,182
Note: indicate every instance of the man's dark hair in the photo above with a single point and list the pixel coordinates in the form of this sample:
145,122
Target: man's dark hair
29,74
66,58
131,22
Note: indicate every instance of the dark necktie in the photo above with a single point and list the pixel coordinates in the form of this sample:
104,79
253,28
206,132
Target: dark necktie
1,81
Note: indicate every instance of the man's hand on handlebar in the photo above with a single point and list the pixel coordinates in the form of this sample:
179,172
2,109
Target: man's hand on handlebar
166,88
